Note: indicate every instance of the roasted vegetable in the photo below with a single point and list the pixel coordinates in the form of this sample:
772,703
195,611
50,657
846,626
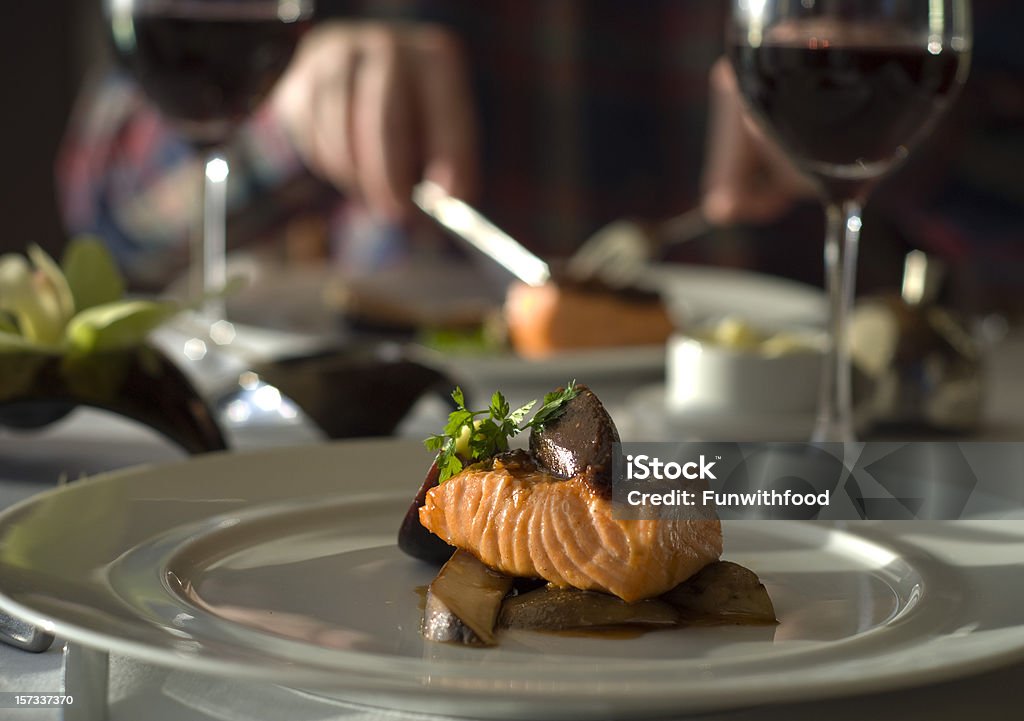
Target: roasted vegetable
416,540
463,602
562,609
723,593
578,441
440,624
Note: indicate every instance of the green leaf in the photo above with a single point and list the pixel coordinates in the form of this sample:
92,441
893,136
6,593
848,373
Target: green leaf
517,416
487,440
448,461
434,443
92,275
459,398
449,465
554,405
499,406
117,325
457,420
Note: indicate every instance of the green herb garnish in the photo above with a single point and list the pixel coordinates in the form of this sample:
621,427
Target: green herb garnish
480,340
470,436
554,405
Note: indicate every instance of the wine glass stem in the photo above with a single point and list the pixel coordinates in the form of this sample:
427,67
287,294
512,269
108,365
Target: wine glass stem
835,401
214,236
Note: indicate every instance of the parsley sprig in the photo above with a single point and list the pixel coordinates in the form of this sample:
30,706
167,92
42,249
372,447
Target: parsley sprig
470,436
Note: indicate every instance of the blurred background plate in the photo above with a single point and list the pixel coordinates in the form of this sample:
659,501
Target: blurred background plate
442,292
407,303
697,294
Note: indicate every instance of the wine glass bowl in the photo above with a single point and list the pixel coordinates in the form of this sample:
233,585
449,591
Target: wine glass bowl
848,88
207,65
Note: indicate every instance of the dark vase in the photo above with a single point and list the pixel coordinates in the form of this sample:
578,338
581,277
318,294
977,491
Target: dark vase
140,383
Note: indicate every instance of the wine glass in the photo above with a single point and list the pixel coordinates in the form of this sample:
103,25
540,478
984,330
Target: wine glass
206,65
847,87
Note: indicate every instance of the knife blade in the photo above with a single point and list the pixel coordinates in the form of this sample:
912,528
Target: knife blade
468,223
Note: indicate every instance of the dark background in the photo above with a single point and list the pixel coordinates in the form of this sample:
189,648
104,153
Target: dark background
46,49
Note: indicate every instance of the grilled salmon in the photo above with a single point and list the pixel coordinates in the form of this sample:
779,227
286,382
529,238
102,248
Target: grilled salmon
523,520
559,317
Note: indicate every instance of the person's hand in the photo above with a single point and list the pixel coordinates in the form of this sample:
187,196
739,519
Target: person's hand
747,177
375,108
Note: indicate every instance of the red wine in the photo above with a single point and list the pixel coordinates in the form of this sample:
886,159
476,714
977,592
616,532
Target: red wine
846,111
206,74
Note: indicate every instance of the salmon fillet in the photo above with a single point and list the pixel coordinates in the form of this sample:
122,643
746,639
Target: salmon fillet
526,522
552,318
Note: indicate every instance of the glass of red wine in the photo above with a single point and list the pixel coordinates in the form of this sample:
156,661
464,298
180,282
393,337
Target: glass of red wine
848,88
207,65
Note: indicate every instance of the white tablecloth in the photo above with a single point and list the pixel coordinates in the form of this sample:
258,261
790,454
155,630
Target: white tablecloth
88,442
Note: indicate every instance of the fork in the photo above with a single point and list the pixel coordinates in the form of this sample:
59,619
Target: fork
618,252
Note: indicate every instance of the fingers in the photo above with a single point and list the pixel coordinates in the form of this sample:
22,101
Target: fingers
386,156
332,154
312,102
727,147
447,112
292,103
373,109
747,177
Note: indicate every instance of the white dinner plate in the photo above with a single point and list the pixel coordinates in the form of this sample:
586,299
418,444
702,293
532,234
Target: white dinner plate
281,566
703,293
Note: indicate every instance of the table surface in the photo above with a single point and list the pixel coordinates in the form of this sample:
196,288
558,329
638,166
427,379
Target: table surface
88,442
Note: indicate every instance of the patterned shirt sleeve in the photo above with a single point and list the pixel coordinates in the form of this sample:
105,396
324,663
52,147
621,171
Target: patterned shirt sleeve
126,176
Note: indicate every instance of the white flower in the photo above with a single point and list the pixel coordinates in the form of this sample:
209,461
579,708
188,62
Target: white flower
78,308
38,298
